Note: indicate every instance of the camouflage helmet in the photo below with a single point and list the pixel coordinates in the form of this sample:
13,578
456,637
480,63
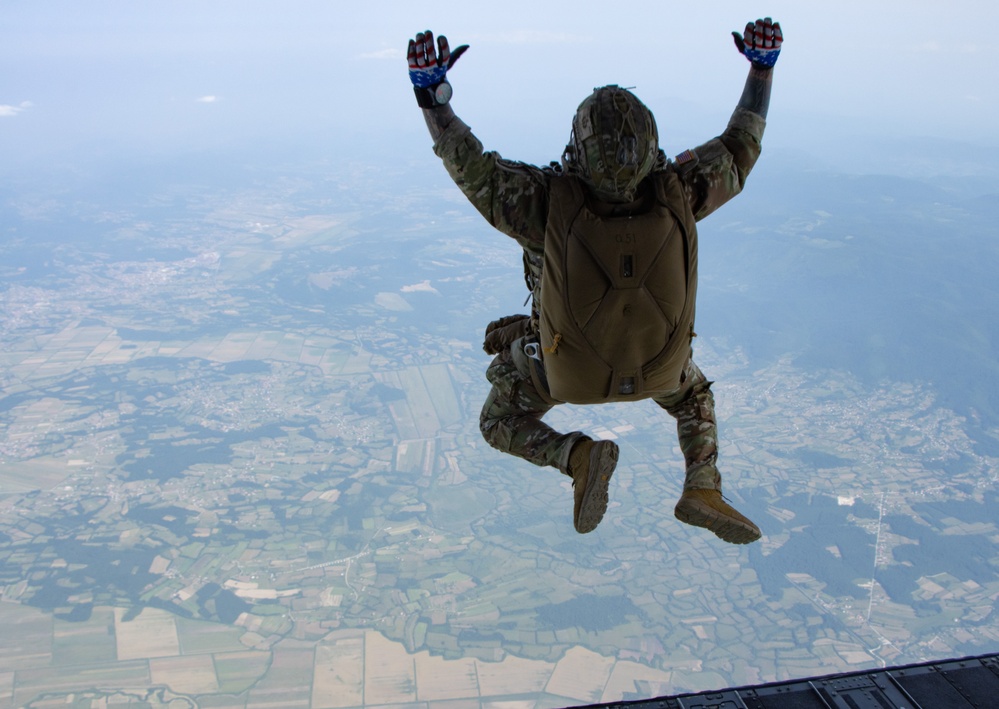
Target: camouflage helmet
614,142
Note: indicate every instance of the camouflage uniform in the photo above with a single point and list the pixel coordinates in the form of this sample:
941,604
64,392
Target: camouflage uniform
513,197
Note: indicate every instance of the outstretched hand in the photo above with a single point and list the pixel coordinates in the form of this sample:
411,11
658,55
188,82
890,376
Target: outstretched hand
761,42
429,66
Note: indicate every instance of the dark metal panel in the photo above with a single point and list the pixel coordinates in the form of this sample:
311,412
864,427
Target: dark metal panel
958,684
861,691
711,700
978,684
797,696
929,689
971,682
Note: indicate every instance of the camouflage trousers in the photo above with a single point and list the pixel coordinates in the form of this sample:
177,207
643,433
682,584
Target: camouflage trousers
511,418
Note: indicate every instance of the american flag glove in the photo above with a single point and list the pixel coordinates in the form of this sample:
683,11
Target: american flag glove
428,67
761,42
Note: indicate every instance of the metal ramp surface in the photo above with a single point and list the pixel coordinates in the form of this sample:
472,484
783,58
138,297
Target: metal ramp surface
941,684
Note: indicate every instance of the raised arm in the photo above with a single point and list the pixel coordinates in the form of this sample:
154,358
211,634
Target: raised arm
761,45
512,196
715,172
428,67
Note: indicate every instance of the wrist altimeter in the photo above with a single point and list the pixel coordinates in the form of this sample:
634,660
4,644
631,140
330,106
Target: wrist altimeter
433,96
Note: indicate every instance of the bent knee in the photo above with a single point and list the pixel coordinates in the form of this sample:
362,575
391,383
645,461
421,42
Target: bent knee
495,433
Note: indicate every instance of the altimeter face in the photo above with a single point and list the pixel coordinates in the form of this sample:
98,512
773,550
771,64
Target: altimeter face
442,94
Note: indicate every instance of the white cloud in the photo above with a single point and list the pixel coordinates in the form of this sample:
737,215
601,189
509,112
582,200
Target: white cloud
7,111
384,54
535,37
935,47
515,37
423,287
208,99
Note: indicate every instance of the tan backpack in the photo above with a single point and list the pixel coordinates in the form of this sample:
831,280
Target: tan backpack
617,295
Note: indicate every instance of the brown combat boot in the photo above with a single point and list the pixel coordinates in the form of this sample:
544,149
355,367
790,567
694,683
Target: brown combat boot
706,508
591,464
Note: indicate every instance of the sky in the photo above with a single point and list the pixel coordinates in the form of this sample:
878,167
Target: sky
118,80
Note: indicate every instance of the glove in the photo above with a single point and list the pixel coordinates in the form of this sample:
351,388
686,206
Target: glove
428,68
761,43
501,333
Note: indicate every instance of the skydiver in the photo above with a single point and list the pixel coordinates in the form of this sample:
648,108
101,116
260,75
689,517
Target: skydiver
610,256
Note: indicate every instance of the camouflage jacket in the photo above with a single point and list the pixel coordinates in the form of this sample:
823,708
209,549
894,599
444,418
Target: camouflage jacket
514,196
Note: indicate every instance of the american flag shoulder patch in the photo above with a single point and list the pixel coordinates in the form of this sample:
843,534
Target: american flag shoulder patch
685,157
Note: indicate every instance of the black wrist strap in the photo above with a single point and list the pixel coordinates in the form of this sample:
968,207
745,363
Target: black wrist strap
425,96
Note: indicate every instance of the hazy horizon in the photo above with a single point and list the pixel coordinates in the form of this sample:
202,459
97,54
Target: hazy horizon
118,79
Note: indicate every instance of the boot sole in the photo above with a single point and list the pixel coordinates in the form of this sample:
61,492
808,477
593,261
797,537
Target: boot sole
728,529
603,460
